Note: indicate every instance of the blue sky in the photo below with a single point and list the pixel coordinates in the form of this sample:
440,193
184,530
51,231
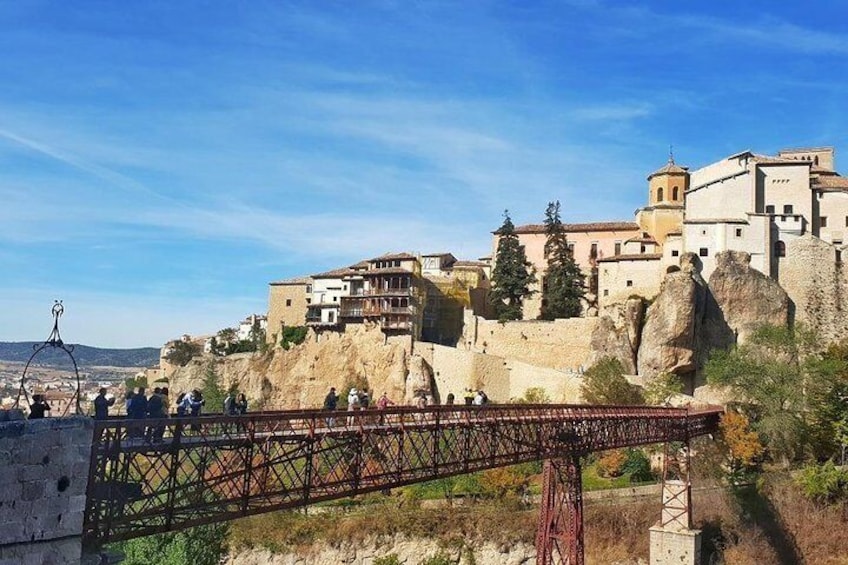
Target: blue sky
161,162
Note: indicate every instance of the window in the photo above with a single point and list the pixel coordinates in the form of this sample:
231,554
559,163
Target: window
797,219
571,245
838,255
618,243
309,286
675,253
335,299
606,292
288,302
345,287
675,193
703,232
659,194
779,249
704,252
593,251
738,232
846,221
629,283
642,249
309,301
787,208
770,209
823,221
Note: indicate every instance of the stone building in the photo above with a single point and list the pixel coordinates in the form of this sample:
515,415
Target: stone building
287,304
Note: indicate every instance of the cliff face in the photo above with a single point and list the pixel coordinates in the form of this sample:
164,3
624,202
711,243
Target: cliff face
301,376
407,551
690,318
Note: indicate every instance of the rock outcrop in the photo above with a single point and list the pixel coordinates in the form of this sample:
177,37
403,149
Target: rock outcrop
746,297
689,318
618,333
301,376
669,337
410,551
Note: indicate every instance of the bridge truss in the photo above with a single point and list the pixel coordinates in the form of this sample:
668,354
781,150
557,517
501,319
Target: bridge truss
211,468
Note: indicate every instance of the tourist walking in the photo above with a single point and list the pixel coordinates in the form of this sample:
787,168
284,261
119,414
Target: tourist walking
382,403
181,409
137,411
469,397
352,405
102,404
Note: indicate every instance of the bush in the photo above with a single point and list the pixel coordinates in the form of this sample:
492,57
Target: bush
604,383
390,559
611,464
292,335
637,465
823,483
202,545
440,558
504,481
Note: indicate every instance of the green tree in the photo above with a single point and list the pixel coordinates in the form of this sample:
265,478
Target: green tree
563,287
202,545
659,389
768,375
604,383
512,275
181,352
534,395
213,394
257,335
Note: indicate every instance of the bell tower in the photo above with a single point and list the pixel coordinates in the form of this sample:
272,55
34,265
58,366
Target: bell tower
669,184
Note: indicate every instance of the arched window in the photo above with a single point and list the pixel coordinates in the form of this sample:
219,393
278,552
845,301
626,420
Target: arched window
779,249
659,194
675,193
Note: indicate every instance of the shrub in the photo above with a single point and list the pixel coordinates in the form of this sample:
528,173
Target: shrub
611,464
504,481
292,335
604,383
637,465
440,558
390,559
823,483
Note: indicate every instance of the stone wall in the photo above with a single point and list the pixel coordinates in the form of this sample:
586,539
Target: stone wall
454,370
817,285
42,489
561,344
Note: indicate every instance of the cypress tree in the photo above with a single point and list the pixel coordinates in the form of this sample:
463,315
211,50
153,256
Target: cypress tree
512,275
563,286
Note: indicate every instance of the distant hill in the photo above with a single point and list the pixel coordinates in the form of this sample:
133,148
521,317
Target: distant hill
86,356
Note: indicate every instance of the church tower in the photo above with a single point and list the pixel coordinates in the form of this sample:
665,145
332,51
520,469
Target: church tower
669,184
663,216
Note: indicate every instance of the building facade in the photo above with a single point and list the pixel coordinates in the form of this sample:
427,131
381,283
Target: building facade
287,304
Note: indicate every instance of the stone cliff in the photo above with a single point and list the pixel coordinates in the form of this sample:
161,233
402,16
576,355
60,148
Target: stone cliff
300,377
689,318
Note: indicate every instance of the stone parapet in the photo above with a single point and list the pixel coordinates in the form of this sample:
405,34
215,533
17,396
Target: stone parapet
43,489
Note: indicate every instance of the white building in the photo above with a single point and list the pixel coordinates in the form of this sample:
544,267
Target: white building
246,325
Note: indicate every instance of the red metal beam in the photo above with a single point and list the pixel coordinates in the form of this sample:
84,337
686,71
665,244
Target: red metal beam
210,469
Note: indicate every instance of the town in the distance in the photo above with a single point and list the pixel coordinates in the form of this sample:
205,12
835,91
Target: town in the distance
784,216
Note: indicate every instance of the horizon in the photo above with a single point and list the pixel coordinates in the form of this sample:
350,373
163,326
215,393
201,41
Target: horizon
161,164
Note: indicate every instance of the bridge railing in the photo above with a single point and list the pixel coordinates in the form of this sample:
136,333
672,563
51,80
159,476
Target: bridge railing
156,475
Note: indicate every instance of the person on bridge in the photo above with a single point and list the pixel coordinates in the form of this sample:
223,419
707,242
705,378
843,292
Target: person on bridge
137,410
469,397
102,404
38,407
330,403
241,404
352,404
450,399
155,410
230,405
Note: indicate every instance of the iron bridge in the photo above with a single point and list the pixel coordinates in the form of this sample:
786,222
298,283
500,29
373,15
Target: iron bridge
213,468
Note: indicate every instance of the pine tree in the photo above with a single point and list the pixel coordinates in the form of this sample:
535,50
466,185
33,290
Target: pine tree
563,286
512,276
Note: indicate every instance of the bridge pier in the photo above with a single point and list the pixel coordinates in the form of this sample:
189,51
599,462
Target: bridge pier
673,540
559,537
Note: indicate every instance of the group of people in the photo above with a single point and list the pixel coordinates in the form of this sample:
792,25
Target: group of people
361,400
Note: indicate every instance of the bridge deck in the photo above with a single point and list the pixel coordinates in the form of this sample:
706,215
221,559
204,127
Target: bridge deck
215,468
